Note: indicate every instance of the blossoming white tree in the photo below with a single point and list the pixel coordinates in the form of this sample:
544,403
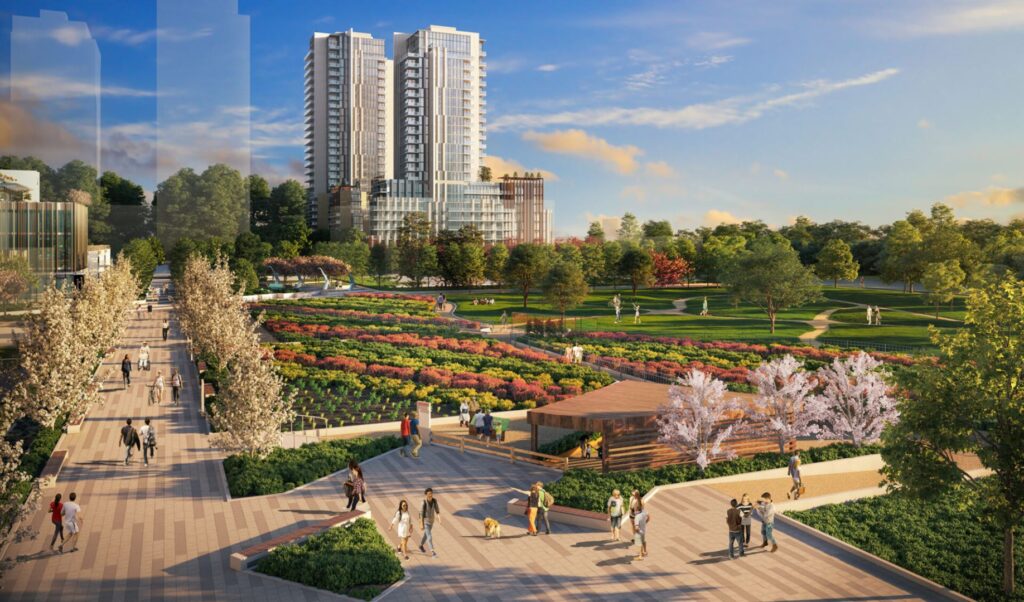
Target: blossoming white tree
211,309
695,420
854,402
782,392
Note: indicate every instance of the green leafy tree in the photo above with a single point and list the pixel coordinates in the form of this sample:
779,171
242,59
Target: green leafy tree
629,228
144,260
718,254
213,204
595,233
637,266
288,214
687,251
497,257
129,213
769,275
592,256
835,262
970,401
657,230
47,177
354,251
527,264
382,261
287,249
249,246
902,256
568,252
259,204
485,173
80,176
417,258
943,281
246,278
564,287
461,260
612,251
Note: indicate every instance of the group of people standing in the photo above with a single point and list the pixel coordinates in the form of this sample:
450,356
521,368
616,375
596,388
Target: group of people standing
617,508
66,518
574,354
738,518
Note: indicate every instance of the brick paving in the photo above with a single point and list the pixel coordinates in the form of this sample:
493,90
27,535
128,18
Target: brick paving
166,532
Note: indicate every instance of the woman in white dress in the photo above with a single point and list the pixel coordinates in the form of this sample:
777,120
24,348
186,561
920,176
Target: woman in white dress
464,414
404,521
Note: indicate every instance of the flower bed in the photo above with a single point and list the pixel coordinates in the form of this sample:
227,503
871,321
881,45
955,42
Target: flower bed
354,561
589,490
286,469
344,367
671,358
946,540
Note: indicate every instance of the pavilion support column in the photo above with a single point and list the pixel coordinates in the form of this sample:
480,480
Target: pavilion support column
533,437
604,447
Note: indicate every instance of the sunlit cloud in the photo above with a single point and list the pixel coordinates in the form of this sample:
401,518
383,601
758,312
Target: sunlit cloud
660,169
501,166
622,159
715,40
993,196
715,217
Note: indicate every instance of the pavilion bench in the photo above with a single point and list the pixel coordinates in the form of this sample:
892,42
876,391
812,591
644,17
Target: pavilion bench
48,477
241,561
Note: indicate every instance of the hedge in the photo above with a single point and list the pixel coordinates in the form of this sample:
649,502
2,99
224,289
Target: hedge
947,540
355,561
41,442
564,444
286,469
589,490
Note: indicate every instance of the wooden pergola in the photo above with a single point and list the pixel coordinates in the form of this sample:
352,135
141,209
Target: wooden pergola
626,413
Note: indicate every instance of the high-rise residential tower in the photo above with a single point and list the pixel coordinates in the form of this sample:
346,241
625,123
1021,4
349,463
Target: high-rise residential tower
348,96
440,99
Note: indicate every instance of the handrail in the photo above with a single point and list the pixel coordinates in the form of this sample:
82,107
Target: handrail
513,453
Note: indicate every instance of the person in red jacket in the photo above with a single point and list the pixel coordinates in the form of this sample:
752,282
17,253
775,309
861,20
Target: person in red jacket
406,434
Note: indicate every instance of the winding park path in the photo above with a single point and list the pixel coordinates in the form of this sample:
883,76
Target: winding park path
167,531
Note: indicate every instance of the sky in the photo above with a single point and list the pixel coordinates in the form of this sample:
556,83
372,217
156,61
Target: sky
695,112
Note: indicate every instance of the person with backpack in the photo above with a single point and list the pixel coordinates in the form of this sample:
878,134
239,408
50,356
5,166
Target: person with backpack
176,386
126,371
544,503
430,515
58,521
148,435
129,438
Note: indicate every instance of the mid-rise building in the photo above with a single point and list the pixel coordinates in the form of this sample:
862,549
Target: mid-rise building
524,197
390,202
348,101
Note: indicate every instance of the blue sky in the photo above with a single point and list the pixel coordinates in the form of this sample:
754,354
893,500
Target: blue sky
697,112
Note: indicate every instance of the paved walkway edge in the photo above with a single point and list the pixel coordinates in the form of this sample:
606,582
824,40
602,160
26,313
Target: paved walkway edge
875,560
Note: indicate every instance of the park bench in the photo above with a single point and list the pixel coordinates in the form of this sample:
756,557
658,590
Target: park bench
48,477
563,514
241,561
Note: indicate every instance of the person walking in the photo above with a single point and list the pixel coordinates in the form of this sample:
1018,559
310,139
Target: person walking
405,429
532,507
544,503
156,393
870,316
73,522
58,521
746,508
635,503
766,509
478,424
636,313
148,435
126,371
640,529
176,382
430,515
464,413
403,520
794,473
488,424
355,486
734,519
129,437
878,316
615,511
165,327
144,357
414,434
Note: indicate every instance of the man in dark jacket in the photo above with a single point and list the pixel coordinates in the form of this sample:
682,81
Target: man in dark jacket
734,518
129,438
126,371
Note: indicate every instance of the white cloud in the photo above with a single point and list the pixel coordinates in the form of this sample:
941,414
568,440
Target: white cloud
993,196
622,159
715,60
780,174
924,124
70,35
137,37
715,217
728,111
715,40
660,169
955,18
548,68
45,87
509,64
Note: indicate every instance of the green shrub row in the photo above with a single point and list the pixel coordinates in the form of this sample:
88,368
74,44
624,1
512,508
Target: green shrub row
286,469
589,490
564,444
355,561
40,444
947,540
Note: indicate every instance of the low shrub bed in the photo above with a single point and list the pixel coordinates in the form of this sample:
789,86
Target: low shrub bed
355,561
286,469
589,490
37,445
564,444
946,540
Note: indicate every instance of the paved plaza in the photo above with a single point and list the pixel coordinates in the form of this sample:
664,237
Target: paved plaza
166,532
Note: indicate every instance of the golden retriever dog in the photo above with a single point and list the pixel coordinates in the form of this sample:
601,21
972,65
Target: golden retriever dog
492,528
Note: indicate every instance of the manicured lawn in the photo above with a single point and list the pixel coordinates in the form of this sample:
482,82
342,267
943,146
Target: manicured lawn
948,541
721,305
898,328
913,302
596,304
695,327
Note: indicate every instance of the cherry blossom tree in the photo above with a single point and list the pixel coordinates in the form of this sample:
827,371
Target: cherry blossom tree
211,309
696,419
782,392
854,402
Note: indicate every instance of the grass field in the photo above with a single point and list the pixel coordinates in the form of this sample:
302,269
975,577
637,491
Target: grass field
596,304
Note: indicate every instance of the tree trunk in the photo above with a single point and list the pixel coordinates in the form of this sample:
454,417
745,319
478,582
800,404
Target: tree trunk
526,295
1008,562
936,311
771,317
835,283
